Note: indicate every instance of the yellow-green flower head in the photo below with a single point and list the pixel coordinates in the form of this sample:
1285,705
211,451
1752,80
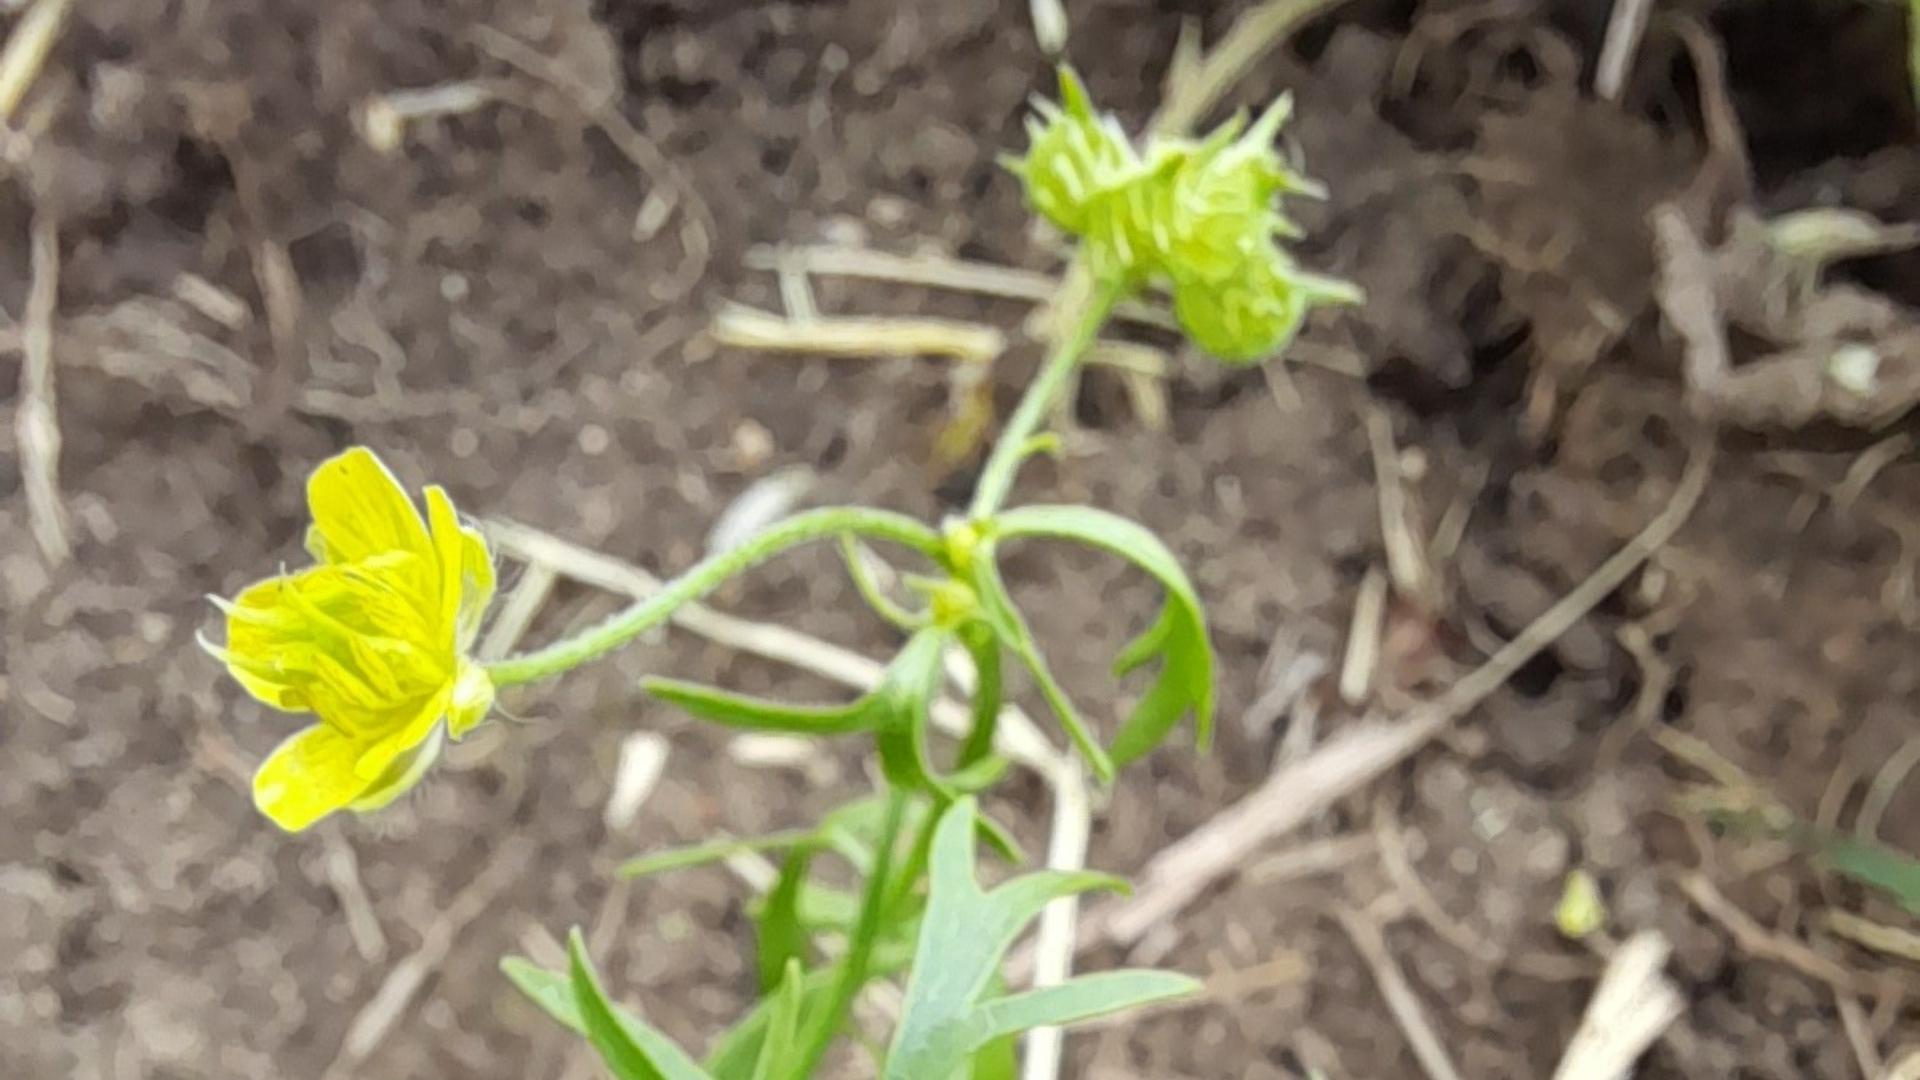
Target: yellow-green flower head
1199,216
373,640
1072,156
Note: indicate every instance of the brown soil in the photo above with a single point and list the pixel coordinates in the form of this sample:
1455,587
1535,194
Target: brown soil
484,307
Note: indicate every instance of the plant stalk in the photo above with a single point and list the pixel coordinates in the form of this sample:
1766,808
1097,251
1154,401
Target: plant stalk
996,478
704,577
858,960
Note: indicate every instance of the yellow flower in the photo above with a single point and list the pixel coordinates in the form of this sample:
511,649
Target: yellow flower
373,640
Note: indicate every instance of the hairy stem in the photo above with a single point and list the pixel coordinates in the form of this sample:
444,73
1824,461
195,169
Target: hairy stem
996,479
704,577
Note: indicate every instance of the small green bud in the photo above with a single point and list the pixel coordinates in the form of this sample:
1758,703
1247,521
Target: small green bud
1581,911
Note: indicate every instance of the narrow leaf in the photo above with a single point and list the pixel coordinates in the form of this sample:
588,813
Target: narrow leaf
901,706
760,714
984,649
1177,638
999,1059
784,1023
631,1049
711,852
739,1050
1079,999
1874,864
1011,628
783,939
550,990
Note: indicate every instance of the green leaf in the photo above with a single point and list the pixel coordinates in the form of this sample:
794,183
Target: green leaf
550,990
713,851
760,714
1079,999
901,705
822,907
1873,864
1913,47
984,649
855,554
997,608
783,1025
631,1049
783,938
999,1059
1177,639
739,1051
858,964
963,936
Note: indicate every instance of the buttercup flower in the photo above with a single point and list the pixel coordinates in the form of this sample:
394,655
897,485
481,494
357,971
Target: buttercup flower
373,640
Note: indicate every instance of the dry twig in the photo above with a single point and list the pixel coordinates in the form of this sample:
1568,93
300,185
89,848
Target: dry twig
343,875
37,424
1400,533
1886,784
1054,944
376,1019
1254,34
1371,944
1625,27
26,52
740,326
1894,941
1363,637
1632,1005
934,272
1860,1036
1756,940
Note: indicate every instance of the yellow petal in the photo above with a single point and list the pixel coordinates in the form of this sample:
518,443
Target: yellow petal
449,547
467,578
360,510
400,777
477,584
269,646
308,777
377,757
472,699
265,684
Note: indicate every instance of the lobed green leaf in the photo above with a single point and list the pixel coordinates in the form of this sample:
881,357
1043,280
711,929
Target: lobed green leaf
963,936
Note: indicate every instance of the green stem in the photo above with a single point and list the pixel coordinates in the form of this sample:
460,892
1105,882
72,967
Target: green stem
706,576
854,967
996,479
